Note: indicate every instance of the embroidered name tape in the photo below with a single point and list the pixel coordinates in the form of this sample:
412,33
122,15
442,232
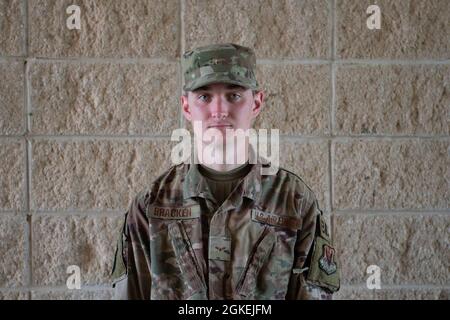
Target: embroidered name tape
175,213
275,220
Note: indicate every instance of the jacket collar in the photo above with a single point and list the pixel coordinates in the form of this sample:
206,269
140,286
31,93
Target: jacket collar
195,185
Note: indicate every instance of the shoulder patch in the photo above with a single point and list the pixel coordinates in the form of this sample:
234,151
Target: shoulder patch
323,270
293,223
326,261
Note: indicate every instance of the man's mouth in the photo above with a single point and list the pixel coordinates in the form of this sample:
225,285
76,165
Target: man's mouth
220,126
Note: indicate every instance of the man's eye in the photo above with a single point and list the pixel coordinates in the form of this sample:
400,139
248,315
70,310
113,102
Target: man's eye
235,96
203,97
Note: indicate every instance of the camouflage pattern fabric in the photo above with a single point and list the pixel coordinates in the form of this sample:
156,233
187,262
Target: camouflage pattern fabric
267,240
219,63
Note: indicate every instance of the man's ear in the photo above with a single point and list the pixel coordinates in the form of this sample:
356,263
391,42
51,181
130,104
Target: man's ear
185,107
258,100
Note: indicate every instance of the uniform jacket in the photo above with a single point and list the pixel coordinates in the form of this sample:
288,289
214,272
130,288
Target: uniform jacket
268,240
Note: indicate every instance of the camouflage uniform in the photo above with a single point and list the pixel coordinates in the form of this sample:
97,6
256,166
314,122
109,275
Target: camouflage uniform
267,240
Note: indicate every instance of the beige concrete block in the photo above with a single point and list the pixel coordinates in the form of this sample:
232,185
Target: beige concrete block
71,98
13,295
349,293
393,99
12,174
60,241
409,29
275,29
298,98
310,162
12,35
12,120
391,174
99,174
409,249
12,251
109,28
82,294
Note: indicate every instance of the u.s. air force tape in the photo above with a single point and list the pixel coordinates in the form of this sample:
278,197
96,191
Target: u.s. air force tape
290,222
175,213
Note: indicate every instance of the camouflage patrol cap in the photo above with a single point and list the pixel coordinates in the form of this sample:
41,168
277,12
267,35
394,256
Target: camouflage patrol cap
219,63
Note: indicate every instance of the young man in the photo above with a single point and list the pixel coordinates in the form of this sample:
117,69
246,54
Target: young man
224,230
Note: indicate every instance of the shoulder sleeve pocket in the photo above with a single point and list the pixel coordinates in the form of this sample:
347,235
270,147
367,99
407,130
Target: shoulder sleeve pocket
323,269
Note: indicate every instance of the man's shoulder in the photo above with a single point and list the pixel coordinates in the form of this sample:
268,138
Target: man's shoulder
171,178
173,175
294,182
290,185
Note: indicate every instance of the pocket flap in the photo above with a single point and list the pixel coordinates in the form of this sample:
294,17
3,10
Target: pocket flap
256,260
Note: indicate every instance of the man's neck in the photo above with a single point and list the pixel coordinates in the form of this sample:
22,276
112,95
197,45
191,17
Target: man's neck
224,167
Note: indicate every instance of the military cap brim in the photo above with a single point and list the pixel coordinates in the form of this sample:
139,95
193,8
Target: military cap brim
204,81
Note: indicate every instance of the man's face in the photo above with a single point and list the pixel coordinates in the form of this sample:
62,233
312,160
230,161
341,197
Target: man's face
222,106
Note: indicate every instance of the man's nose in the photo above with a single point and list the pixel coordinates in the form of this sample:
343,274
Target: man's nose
219,116
219,110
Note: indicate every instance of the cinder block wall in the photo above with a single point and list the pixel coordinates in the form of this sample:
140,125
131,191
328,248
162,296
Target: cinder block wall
86,117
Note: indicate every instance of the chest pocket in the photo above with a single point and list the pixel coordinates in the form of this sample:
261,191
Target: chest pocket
175,269
176,273
268,268
259,255
186,259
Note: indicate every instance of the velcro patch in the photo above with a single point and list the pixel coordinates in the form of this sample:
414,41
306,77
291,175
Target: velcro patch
323,228
219,248
174,213
323,269
276,220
